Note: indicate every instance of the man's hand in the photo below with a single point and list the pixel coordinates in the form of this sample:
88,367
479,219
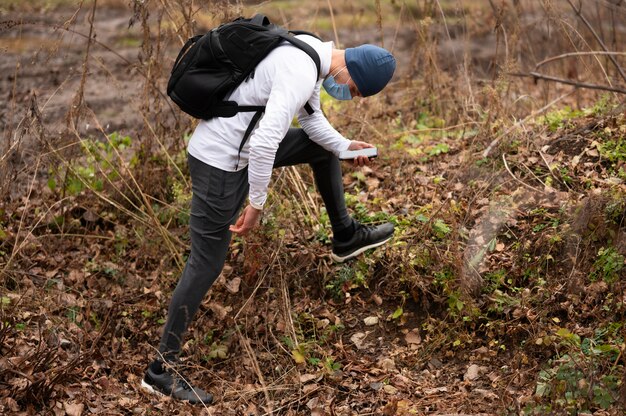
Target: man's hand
248,219
357,145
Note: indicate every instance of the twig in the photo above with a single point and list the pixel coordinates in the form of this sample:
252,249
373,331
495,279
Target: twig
260,281
246,345
570,54
379,22
495,141
506,165
426,130
332,19
543,157
537,75
78,98
397,30
445,25
595,35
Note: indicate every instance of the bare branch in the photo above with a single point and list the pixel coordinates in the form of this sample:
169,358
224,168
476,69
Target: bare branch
570,54
578,84
595,35
537,75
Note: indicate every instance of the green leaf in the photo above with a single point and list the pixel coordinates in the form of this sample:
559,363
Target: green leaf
52,184
397,313
564,333
298,357
438,149
314,361
421,218
360,176
542,389
218,351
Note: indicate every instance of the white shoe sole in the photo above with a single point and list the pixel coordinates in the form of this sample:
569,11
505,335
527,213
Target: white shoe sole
151,389
341,259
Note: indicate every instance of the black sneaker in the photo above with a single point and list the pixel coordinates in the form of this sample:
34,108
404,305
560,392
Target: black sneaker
364,238
172,384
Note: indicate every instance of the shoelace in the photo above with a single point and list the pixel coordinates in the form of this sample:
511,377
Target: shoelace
186,386
366,229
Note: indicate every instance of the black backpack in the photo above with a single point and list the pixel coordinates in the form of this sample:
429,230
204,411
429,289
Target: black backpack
210,66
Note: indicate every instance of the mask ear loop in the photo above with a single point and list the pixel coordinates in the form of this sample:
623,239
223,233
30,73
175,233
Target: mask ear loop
339,72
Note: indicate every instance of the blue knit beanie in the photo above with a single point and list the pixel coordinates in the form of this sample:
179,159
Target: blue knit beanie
370,67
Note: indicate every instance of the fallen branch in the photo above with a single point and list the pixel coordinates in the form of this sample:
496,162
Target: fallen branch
570,54
537,75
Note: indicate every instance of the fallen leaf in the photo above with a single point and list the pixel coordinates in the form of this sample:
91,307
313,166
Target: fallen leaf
370,320
305,378
73,409
413,338
357,339
435,390
387,364
233,285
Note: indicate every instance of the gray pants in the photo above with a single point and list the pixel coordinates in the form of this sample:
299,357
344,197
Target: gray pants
217,199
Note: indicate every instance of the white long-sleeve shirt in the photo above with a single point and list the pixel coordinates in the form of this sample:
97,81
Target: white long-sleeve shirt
283,82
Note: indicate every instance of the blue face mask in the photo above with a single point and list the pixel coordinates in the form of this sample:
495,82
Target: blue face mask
335,90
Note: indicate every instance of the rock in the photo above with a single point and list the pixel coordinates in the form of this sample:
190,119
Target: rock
434,364
389,389
376,386
472,373
370,320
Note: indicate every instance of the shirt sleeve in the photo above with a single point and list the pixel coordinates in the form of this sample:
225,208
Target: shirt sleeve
291,86
318,128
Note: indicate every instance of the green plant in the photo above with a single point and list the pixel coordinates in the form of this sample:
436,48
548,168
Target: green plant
585,377
440,229
613,150
363,214
348,277
557,119
330,365
608,265
100,162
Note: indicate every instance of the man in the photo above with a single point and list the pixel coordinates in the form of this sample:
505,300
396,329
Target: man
223,175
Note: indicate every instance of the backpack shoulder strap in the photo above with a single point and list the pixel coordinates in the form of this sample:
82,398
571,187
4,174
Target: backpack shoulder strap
260,19
304,32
